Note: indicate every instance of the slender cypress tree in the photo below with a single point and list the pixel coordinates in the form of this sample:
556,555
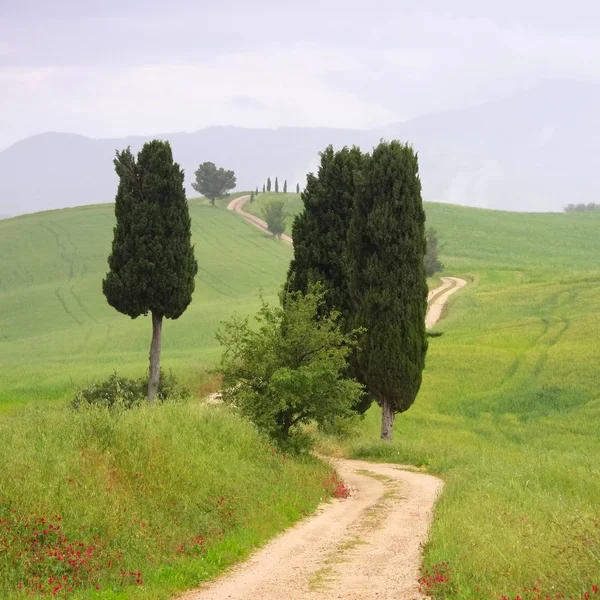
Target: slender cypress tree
385,252
256,192
263,188
297,188
285,187
320,237
152,262
276,186
268,184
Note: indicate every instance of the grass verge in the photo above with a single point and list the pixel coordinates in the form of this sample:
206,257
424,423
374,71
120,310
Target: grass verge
140,504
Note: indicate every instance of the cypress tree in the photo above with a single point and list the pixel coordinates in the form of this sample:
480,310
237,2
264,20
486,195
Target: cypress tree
285,187
263,188
152,263
256,192
276,186
386,248
297,188
268,184
320,237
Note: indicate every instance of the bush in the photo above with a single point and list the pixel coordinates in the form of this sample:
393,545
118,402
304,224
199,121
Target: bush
288,371
127,393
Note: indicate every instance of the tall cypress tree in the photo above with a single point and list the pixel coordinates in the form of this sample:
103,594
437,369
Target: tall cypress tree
297,188
152,262
268,184
263,188
285,187
276,186
386,247
320,237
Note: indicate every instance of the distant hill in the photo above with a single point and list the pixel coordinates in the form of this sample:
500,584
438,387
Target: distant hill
4,216
536,151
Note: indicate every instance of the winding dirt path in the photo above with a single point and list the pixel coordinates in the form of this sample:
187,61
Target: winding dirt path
366,547
237,205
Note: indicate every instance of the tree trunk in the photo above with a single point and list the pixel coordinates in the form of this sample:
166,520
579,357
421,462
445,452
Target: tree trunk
387,420
155,357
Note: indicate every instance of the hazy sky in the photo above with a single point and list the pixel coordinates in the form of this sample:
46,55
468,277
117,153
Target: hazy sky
115,68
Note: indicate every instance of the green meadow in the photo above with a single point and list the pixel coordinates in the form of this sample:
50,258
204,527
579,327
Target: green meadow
56,329
508,415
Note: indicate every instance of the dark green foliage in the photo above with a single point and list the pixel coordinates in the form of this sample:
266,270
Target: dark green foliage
287,371
213,183
126,393
274,215
320,230
320,236
285,187
268,184
252,197
297,188
256,192
263,188
276,186
432,260
386,249
582,207
152,263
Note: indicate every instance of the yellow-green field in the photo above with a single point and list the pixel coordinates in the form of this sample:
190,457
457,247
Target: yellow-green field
508,416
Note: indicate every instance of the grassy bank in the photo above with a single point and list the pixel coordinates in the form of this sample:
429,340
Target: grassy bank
139,505
509,412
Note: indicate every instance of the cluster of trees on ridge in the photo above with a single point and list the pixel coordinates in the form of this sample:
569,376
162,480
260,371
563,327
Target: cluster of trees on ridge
267,186
350,326
592,206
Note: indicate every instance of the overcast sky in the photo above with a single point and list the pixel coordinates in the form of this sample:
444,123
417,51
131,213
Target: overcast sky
114,68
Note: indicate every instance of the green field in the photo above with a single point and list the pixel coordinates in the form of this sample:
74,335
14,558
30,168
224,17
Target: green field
56,329
509,413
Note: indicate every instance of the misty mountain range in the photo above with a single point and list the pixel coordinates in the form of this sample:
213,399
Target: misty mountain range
536,151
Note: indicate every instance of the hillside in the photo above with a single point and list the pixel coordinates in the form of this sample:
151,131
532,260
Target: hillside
507,154
509,411
56,327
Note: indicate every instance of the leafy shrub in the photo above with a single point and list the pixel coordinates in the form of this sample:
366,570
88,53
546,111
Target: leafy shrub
127,393
288,371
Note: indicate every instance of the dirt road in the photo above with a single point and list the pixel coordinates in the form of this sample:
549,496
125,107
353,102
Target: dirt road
237,205
366,547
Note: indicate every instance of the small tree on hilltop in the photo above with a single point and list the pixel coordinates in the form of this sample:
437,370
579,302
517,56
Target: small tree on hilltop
256,192
251,196
268,184
288,371
297,188
386,250
274,215
152,263
276,186
432,261
263,188
285,187
213,183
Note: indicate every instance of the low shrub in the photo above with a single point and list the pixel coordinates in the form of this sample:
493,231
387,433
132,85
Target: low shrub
127,393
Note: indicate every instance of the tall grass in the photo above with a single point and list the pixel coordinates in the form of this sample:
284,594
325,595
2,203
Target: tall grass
139,504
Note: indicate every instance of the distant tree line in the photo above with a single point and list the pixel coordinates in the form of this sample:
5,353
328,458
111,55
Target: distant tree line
592,206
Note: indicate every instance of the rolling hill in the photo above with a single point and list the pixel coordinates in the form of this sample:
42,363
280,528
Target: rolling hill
507,154
508,413
56,327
